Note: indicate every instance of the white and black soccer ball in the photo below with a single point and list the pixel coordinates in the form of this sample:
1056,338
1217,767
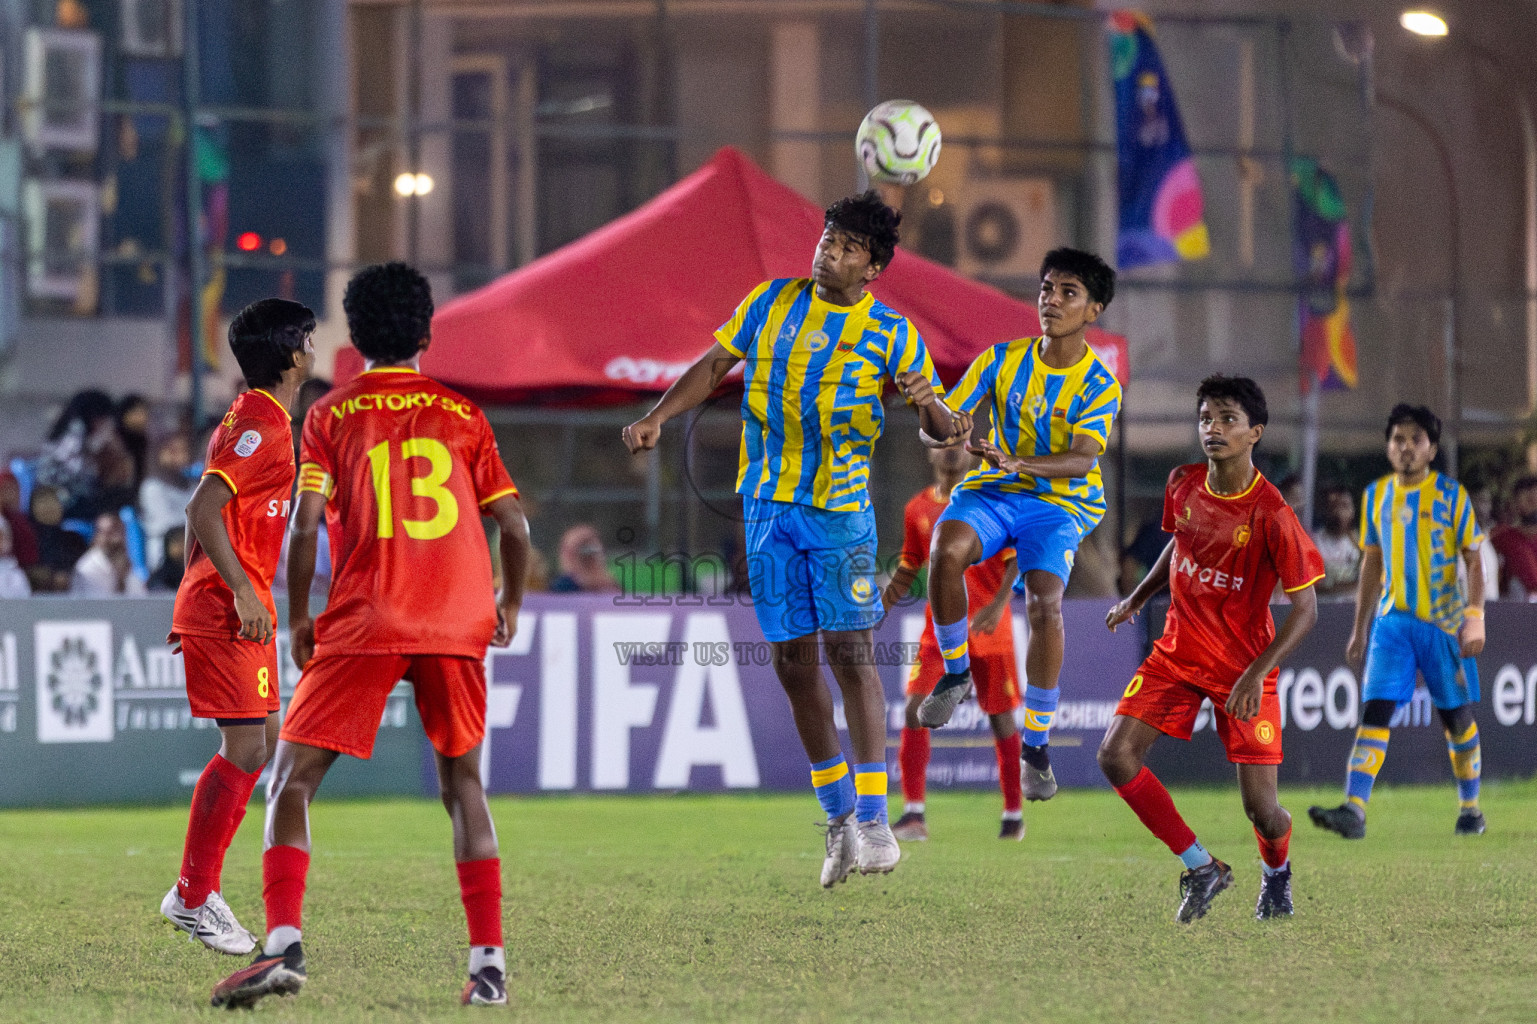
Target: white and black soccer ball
898,142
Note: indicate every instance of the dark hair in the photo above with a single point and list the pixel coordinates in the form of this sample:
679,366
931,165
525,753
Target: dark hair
870,219
1094,272
89,407
389,311
1333,489
1241,390
1427,421
1524,483
264,337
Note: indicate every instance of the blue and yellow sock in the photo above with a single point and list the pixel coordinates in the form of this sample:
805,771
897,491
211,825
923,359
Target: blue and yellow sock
1466,764
870,785
952,645
1040,709
1366,760
835,790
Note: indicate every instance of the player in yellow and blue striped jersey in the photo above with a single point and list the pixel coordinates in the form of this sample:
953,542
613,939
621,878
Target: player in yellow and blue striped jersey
817,353
1415,523
1038,491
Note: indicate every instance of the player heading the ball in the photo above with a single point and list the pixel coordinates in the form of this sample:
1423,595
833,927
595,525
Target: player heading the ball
402,468
1234,538
223,618
817,353
1053,402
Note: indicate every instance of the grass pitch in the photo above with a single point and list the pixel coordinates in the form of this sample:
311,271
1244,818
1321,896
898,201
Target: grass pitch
697,908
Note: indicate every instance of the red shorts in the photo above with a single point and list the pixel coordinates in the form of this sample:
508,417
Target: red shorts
992,671
1168,698
340,701
230,678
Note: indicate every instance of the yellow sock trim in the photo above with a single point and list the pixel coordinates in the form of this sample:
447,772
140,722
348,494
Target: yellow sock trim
870,783
1374,732
826,775
1357,801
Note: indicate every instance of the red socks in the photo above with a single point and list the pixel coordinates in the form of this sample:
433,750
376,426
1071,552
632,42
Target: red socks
283,872
1008,771
1274,851
1153,805
913,755
480,887
218,807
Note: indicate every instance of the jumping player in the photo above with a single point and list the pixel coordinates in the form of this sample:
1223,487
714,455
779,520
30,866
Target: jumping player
1234,537
223,618
400,466
818,351
987,590
1414,524
1052,402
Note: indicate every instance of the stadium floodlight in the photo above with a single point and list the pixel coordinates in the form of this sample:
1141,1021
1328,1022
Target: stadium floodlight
408,184
1423,23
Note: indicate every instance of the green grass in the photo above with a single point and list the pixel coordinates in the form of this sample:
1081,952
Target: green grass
707,908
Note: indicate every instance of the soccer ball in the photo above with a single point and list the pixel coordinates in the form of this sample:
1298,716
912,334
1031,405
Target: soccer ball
898,142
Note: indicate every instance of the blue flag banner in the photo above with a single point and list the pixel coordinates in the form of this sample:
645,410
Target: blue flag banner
1161,208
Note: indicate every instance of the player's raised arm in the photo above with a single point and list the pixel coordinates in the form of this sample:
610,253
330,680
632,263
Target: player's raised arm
1156,579
514,546
302,542
939,425
206,520
688,391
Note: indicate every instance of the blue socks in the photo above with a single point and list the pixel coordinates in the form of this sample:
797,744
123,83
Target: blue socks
952,646
1040,709
834,788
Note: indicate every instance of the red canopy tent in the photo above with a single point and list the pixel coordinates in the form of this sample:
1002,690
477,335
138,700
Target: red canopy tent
623,311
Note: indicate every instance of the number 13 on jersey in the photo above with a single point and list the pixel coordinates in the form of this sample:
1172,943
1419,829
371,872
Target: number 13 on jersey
427,485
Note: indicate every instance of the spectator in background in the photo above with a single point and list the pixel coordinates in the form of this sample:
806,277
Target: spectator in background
1483,511
583,564
1137,561
66,463
58,549
23,537
167,577
104,570
164,494
310,392
1336,542
1291,490
13,582
133,431
1516,542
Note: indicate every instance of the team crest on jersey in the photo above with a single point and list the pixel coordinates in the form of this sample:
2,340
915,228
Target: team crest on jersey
229,418
1037,406
1264,731
1406,516
1241,535
248,443
862,590
817,340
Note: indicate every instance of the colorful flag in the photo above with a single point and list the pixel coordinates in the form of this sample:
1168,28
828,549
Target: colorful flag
1160,191
1321,254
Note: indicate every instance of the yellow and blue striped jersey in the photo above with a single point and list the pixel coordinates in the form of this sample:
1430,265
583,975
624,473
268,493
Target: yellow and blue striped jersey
1421,531
813,375
1038,410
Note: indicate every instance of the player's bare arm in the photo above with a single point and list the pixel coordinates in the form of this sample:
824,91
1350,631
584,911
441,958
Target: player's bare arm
1071,464
1472,632
206,520
1368,589
989,615
939,425
1156,579
508,513
900,585
688,391
1243,702
305,527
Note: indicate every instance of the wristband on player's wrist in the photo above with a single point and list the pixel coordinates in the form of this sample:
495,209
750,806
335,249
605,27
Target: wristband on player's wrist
1472,613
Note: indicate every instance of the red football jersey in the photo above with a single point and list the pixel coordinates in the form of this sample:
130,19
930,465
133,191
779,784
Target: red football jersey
406,465
1229,551
983,580
253,451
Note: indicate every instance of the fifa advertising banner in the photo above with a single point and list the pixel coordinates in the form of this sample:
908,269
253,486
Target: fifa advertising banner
93,709
606,694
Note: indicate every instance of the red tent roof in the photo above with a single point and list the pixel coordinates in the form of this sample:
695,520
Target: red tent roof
624,310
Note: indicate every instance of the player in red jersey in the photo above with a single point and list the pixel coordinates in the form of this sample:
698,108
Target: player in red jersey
223,618
992,652
1234,538
399,465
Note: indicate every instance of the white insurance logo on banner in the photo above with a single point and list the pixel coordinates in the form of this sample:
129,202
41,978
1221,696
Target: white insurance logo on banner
74,681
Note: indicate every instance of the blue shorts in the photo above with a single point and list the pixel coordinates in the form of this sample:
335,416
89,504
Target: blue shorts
1401,644
1043,535
810,569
